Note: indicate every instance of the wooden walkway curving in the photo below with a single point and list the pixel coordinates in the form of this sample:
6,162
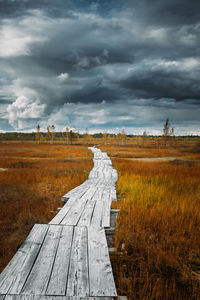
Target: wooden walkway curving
68,258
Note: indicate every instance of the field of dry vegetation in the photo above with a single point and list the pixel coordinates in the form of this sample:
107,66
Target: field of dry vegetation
33,178
157,237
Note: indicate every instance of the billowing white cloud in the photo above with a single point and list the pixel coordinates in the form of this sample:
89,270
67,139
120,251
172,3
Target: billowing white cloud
63,77
13,42
16,36
23,110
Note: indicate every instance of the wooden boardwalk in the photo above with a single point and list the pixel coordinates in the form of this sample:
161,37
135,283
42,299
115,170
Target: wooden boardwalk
68,258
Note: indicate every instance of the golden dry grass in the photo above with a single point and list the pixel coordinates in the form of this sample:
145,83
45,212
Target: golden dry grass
157,236
31,187
130,151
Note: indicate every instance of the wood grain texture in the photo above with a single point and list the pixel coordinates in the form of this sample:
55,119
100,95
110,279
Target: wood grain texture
97,214
14,275
106,208
77,209
42,297
39,277
58,280
78,279
100,270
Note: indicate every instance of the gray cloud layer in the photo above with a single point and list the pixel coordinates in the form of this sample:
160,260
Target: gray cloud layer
116,52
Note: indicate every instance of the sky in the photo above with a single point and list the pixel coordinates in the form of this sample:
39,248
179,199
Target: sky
101,65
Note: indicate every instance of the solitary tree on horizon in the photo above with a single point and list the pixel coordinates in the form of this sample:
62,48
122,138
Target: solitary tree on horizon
166,130
38,133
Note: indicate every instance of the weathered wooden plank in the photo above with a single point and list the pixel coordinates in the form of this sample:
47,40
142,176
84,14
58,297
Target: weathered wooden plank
16,272
2,297
71,203
33,297
42,297
58,281
39,277
75,212
86,216
78,191
106,208
100,270
97,214
78,282
62,213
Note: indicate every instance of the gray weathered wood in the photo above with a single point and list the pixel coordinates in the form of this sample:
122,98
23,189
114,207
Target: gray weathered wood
97,214
62,213
87,213
39,277
75,212
100,270
42,297
106,208
14,275
78,283
77,192
58,281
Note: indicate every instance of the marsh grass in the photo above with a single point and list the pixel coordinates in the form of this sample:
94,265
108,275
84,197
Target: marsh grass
157,237
31,188
130,151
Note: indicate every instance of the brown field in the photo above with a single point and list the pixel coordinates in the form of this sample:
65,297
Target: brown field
157,237
32,180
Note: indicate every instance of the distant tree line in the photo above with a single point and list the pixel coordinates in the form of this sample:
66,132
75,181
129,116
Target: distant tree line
69,136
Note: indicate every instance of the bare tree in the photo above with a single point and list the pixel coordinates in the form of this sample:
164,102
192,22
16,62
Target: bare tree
48,133
67,135
38,133
144,137
86,136
105,137
166,130
123,136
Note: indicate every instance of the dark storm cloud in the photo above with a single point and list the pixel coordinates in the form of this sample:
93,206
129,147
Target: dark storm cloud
86,52
14,8
170,12
62,8
163,83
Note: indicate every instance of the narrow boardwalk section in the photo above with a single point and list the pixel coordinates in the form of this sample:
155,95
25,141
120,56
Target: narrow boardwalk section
68,258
